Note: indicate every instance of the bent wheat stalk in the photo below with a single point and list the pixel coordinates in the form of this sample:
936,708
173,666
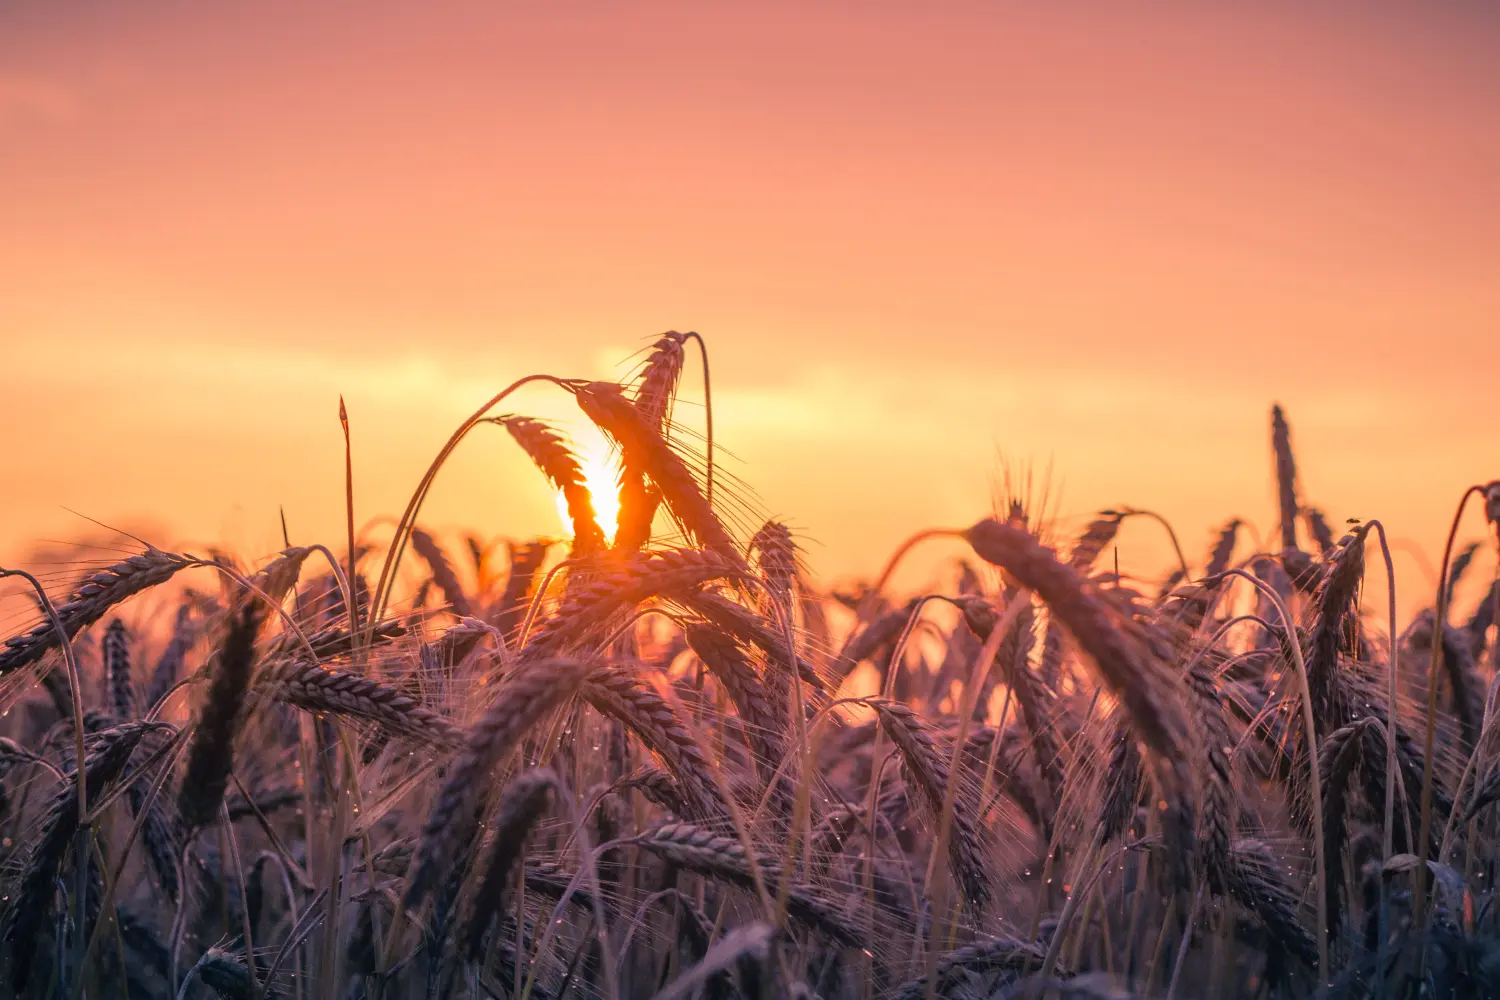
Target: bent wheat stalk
381,594
1419,873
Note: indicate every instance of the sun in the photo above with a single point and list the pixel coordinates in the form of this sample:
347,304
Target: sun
600,464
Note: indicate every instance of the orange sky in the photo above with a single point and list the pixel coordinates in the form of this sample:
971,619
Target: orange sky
914,240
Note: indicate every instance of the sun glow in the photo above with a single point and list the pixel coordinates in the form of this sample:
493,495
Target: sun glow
600,464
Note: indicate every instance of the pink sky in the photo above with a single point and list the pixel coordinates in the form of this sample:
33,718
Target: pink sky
915,241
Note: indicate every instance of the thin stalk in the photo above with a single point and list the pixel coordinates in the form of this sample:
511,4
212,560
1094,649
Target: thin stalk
1470,767
708,413
1309,723
75,690
381,595
533,608
983,663
353,599
1182,949
1086,871
135,831
179,919
278,848
1138,905
1172,535
239,875
1161,941
873,595
801,807
1419,874
1388,836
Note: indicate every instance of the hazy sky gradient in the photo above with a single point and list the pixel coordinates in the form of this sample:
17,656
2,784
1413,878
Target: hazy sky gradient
915,241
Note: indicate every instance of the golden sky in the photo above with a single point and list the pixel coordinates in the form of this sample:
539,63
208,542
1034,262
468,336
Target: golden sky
916,240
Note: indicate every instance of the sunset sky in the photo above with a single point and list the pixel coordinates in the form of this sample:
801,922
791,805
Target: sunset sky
919,240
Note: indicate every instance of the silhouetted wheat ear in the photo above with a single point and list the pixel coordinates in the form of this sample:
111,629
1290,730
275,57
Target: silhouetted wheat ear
723,858
1336,625
1457,657
1478,625
751,629
521,806
550,452
1317,526
619,587
1286,477
746,948
1468,689
1216,817
169,664
875,636
658,787
620,693
1150,694
656,388
525,560
442,572
778,558
210,754
532,690
139,937
1144,689
1012,776
929,771
655,391
1256,884
279,576
224,973
763,722
160,837
605,404
1100,532
115,650
31,908
1122,783
1030,693
552,881
1050,666
1002,954
90,601
1338,756
1409,762
331,642
159,833
1461,563
1223,550
336,692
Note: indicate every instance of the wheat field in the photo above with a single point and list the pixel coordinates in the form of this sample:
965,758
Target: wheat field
656,759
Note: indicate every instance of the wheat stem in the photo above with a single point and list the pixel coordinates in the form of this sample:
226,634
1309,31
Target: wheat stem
1310,724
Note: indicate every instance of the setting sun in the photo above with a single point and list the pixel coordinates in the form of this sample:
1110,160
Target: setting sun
601,474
